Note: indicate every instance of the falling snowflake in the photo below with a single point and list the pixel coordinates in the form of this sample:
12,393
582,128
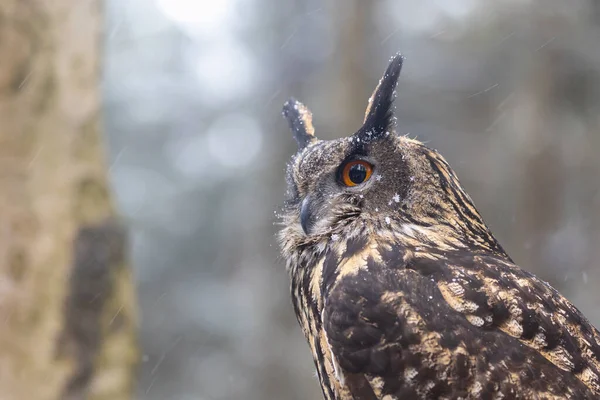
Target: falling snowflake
388,220
396,198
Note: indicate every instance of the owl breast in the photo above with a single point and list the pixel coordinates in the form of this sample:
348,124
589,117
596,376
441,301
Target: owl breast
306,298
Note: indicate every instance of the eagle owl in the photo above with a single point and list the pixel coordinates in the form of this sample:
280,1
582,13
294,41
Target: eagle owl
399,286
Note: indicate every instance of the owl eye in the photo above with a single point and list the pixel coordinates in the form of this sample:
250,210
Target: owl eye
356,172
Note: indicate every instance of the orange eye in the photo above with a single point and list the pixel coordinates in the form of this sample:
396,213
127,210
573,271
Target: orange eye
356,172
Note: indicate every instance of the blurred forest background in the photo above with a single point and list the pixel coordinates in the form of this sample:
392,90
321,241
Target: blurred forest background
508,91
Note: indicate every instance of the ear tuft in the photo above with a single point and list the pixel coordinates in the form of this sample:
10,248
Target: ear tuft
300,120
379,116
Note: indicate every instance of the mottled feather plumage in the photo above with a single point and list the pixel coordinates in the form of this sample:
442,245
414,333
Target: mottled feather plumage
401,289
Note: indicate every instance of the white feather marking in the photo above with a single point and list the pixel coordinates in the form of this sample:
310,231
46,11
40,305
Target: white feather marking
408,229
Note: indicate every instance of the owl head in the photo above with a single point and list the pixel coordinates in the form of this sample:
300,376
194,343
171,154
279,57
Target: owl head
374,183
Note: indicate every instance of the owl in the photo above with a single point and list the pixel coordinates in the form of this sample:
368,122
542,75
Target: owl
400,287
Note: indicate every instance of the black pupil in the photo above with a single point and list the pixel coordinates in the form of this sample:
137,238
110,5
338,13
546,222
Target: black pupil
357,173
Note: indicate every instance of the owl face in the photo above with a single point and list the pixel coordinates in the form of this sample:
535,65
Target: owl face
374,180
367,177
336,183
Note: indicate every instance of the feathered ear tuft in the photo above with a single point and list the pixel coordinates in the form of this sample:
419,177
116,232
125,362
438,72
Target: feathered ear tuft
379,116
300,119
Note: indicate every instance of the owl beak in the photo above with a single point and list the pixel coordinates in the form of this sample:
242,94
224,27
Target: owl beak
306,218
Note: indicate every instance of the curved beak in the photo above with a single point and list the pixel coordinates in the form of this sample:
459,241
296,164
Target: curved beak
306,215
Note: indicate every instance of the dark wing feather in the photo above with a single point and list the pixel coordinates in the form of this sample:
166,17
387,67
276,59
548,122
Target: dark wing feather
462,326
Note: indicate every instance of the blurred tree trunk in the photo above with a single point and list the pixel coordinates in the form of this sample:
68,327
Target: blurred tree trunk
350,88
541,208
66,296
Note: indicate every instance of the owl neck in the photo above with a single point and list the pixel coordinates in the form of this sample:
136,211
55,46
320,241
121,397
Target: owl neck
442,214
412,235
446,237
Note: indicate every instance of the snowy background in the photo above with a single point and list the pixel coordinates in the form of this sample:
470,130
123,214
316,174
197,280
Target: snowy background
508,91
